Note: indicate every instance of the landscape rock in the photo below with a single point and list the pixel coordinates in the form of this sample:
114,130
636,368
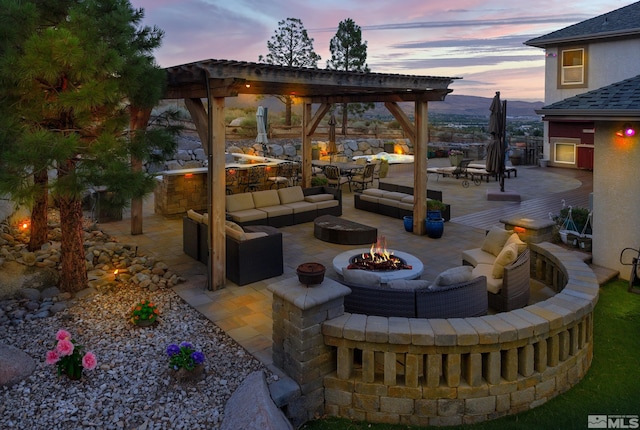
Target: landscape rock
251,407
15,365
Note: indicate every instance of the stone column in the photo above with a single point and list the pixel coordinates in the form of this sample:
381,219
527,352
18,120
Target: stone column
298,344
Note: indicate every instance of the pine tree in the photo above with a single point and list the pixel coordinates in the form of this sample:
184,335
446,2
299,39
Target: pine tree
349,53
290,46
69,82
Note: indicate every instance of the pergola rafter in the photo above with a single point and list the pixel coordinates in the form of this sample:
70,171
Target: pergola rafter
214,80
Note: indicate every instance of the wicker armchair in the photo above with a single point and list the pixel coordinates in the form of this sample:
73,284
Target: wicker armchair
466,299
515,290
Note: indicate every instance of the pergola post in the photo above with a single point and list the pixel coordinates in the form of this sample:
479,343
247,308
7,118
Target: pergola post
420,167
216,240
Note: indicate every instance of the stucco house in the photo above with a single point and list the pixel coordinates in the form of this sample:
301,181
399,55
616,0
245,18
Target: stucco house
586,56
592,120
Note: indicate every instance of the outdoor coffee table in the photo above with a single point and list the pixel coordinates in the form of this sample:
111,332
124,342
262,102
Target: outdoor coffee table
333,229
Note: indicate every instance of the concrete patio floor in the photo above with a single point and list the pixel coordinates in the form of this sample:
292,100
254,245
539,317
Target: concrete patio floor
244,313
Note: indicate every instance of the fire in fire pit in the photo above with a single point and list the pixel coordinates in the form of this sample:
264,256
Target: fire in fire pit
378,259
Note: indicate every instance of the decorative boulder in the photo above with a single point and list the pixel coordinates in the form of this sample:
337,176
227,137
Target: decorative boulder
15,365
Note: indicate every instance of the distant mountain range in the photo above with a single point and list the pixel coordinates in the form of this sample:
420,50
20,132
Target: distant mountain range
452,105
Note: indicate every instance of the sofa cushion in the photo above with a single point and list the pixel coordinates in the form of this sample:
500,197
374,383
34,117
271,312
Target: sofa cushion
360,277
507,256
477,256
315,198
248,215
327,204
389,202
493,285
514,238
394,195
300,206
408,284
407,199
291,194
495,239
205,218
369,198
266,198
374,192
194,215
257,234
455,275
239,202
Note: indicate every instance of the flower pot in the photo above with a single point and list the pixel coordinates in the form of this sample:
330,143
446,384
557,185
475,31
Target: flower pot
434,215
184,375
315,153
144,323
434,227
585,243
408,223
310,273
455,159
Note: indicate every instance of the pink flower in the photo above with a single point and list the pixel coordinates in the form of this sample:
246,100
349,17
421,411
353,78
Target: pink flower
89,361
64,347
63,335
52,357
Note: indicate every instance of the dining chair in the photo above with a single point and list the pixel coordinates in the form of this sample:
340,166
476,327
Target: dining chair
282,176
254,179
336,180
365,178
231,179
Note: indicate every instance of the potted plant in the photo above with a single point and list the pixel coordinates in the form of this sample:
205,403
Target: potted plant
144,313
435,208
186,361
315,152
319,181
67,356
434,224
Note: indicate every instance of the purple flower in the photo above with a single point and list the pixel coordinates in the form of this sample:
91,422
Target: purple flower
173,350
197,357
186,345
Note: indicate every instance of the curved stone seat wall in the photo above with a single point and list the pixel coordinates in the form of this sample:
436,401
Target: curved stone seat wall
465,370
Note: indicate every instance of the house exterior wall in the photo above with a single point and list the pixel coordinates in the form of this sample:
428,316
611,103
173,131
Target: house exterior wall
616,204
607,63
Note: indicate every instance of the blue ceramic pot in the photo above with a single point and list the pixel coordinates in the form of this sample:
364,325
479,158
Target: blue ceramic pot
408,223
434,227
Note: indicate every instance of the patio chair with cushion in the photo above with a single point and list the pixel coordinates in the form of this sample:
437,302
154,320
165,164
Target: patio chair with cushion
365,178
282,177
336,180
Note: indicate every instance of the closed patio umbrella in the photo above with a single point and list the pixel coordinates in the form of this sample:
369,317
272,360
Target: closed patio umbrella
332,149
262,129
496,148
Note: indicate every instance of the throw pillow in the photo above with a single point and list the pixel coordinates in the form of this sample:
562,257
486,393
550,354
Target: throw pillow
455,275
495,239
194,215
360,277
514,238
408,284
234,234
507,256
232,225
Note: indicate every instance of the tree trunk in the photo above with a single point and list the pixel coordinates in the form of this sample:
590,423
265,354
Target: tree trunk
73,276
39,227
287,110
345,115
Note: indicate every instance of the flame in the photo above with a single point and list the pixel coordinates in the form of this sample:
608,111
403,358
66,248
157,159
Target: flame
115,272
378,251
25,225
398,150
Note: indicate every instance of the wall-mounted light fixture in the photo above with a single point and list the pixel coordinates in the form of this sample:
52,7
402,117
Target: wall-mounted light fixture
627,130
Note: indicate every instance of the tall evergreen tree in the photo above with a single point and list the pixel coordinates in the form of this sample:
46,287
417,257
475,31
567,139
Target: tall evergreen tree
73,76
349,53
290,46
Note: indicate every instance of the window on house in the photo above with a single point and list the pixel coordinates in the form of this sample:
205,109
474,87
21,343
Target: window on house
573,67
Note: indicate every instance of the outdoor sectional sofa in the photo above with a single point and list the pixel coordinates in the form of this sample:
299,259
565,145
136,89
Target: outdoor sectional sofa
504,260
455,293
285,206
393,200
253,253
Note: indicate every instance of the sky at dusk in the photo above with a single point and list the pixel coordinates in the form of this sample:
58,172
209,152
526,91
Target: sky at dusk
480,41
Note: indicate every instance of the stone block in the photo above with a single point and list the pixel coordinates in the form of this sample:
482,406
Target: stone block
426,408
433,369
492,367
480,406
399,391
523,397
452,369
448,408
383,417
396,405
338,397
503,402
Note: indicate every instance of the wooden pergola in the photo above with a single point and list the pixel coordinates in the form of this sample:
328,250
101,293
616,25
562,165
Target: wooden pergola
214,80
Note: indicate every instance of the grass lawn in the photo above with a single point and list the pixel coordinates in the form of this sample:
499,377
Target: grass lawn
611,386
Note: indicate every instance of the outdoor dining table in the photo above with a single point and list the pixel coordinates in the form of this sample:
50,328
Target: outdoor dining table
346,168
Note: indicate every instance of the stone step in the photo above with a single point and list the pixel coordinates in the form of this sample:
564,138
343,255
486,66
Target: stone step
604,274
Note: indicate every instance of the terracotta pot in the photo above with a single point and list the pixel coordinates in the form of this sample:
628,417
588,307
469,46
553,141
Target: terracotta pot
184,375
310,273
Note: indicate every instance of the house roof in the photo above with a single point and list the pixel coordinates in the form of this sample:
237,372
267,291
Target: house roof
229,78
620,100
623,22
